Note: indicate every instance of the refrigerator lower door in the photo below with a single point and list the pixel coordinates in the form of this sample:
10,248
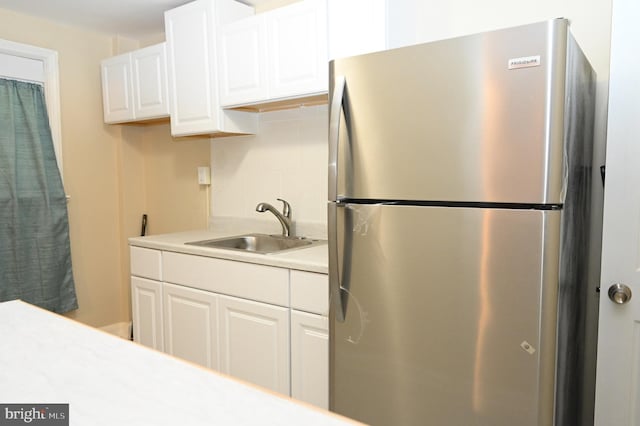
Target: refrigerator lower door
449,315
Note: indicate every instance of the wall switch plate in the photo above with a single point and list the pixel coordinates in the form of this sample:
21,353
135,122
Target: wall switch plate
204,175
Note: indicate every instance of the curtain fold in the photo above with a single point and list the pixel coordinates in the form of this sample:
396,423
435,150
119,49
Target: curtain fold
35,254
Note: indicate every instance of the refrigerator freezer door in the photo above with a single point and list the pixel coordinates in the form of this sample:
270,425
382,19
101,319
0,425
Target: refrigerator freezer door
449,316
471,119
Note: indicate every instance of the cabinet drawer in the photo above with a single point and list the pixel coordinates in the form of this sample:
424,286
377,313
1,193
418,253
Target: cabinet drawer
310,292
146,263
250,281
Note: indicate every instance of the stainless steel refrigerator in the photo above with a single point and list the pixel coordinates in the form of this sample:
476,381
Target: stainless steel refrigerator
459,213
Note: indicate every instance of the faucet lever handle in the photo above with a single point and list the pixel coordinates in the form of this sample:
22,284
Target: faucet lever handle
286,209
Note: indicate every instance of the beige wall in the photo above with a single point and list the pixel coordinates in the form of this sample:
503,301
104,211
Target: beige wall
175,200
113,173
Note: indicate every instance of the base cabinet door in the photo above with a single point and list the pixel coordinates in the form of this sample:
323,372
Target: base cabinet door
254,342
191,325
146,307
310,358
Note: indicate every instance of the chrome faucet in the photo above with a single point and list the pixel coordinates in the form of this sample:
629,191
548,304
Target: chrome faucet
284,217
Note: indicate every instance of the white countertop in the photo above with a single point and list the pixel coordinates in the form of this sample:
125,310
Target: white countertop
46,358
312,259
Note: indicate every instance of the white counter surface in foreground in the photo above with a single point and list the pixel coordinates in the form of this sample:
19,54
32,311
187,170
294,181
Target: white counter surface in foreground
46,358
314,259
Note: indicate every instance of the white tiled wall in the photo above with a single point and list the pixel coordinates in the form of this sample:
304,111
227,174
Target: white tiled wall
287,159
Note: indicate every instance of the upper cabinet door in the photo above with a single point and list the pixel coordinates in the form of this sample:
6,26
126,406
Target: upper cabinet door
150,82
117,89
192,70
297,37
243,61
134,85
192,67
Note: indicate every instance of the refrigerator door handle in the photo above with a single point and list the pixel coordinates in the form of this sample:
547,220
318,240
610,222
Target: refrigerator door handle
337,293
336,108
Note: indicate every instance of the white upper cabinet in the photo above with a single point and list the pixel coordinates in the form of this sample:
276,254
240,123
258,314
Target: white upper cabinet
134,85
357,27
149,72
117,89
297,46
276,55
243,61
193,69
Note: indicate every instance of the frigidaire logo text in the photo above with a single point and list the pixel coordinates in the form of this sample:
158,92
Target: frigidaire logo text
524,62
36,414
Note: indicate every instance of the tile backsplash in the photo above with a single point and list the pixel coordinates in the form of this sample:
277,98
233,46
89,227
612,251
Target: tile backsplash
286,159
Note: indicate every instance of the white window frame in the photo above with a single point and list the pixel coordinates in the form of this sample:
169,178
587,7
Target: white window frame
51,82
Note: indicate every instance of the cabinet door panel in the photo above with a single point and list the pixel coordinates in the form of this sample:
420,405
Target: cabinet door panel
310,358
298,49
146,307
117,89
150,82
254,342
243,61
191,68
191,325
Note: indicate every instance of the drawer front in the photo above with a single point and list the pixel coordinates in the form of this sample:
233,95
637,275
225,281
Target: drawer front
146,263
310,292
247,280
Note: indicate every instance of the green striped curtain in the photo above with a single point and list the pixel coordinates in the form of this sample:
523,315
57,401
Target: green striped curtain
35,255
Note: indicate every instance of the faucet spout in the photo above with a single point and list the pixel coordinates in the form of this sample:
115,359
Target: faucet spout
284,218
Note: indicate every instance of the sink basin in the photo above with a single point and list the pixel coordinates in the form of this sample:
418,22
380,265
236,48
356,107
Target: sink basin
258,243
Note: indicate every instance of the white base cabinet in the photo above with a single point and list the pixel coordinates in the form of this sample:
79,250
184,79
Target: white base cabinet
146,315
254,342
310,358
191,325
146,297
200,309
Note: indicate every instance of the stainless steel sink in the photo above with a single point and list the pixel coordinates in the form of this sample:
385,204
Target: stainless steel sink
258,243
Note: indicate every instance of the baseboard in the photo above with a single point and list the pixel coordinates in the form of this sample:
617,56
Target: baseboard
120,329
